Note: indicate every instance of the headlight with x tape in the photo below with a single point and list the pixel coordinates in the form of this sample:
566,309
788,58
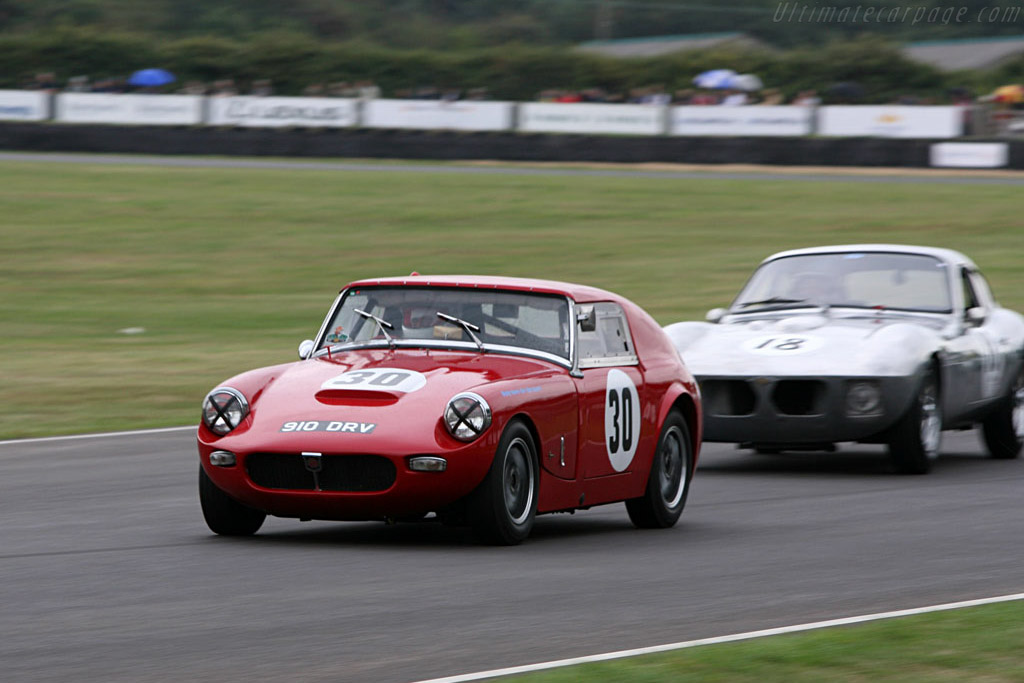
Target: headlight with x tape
467,416
224,409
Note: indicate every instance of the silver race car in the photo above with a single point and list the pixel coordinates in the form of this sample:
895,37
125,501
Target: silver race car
873,343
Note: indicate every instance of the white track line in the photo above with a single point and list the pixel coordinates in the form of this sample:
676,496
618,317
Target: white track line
721,639
44,439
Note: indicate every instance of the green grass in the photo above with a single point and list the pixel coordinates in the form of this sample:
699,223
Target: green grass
229,269
980,644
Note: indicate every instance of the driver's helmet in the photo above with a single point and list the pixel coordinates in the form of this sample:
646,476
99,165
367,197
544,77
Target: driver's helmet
418,322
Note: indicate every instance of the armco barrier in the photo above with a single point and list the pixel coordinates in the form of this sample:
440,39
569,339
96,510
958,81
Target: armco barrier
408,144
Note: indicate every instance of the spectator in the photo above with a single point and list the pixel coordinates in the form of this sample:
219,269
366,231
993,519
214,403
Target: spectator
262,88
336,89
78,84
193,88
44,81
771,97
807,98
683,96
704,98
735,98
368,90
224,88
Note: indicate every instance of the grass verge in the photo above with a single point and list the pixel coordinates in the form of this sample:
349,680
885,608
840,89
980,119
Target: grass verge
974,644
228,269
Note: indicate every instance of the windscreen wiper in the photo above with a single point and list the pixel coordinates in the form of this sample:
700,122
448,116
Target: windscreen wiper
469,327
382,324
772,300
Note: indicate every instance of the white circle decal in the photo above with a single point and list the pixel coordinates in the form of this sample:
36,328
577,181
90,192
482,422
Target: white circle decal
782,344
621,419
378,379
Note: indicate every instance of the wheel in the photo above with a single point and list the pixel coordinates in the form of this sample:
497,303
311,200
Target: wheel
669,480
916,438
503,507
1003,430
223,514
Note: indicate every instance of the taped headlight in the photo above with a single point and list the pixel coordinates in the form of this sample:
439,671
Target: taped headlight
863,398
467,416
224,409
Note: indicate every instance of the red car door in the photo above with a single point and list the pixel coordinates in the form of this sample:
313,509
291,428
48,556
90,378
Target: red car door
611,395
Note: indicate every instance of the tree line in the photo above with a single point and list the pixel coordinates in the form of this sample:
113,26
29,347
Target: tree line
465,24
292,62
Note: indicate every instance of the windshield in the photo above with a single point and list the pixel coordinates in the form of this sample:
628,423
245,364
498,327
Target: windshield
450,316
908,282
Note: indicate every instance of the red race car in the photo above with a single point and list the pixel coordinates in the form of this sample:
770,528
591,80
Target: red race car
482,400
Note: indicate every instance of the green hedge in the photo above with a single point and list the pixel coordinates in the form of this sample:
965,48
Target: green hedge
514,72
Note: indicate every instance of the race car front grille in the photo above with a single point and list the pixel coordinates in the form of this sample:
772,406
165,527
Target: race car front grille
727,397
338,472
799,397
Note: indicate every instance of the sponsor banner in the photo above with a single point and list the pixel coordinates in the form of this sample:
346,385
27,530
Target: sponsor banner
24,105
438,114
970,154
891,121
746,120
164,110
617,119
279,112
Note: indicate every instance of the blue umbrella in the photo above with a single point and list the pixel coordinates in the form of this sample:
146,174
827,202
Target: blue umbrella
151,77
716,78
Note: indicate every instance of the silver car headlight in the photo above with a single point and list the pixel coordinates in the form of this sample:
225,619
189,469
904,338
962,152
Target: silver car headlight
863,398
467,416
224,409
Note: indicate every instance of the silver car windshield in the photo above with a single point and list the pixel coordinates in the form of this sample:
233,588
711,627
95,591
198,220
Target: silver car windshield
478,319
907,282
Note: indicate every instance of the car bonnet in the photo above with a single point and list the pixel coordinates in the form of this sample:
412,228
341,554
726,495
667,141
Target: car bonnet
809,345
374,397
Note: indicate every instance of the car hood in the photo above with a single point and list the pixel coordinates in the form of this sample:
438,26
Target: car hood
808,345
373,400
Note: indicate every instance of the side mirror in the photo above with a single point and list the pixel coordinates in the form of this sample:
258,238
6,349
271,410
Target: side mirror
975,316
715,315
587,318
306,349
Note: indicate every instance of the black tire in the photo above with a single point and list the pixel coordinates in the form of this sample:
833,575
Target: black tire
502,509
223,514
1003,430
917,438
668,483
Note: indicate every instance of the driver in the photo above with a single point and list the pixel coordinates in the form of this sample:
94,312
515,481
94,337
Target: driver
418,322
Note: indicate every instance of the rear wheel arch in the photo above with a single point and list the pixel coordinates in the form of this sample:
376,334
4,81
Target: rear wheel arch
685,405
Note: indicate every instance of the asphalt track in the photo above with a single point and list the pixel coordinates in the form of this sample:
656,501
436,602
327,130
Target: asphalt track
109,573
664,171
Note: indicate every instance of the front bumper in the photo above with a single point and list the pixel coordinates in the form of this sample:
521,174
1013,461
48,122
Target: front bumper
346,487
766,410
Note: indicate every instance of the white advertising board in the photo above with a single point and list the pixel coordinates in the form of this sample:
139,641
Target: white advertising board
891,121
24,105
279,112
438,114
746,120
616,119
165,110
970,154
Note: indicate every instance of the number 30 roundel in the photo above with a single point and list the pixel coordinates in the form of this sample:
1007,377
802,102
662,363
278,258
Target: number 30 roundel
621,419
